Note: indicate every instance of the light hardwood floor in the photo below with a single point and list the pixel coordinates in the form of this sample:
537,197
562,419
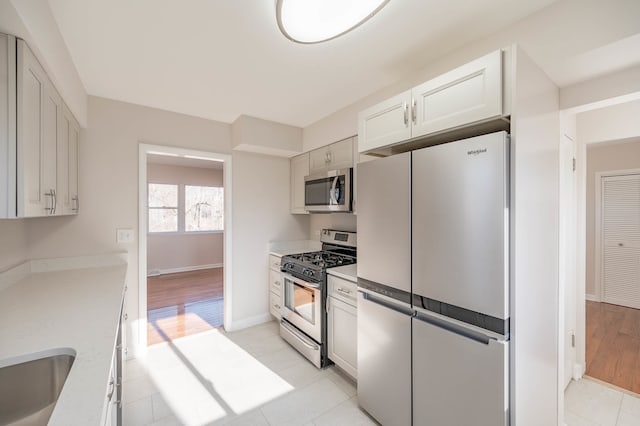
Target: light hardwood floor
613,344
184,303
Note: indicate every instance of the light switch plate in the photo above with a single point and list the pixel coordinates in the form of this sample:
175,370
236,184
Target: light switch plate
124,235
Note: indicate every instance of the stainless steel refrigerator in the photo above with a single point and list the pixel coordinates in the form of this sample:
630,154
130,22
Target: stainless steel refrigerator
433,284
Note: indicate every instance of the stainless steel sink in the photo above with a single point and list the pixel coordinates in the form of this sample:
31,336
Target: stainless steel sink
30,386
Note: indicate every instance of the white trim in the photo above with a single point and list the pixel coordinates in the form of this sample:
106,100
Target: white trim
599,290
156,272
143,150
591,297
249,322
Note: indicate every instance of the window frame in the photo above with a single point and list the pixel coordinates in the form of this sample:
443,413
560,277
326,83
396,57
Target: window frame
181,210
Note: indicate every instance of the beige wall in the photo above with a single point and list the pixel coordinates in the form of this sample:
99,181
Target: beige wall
166,252
339,221
13,242
109,200
600,158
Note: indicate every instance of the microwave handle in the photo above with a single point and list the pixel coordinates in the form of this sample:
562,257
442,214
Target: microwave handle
333,193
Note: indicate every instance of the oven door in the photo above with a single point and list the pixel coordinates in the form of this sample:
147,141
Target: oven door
303,306
328,192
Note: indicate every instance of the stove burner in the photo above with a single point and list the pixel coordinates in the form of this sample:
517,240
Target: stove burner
322,259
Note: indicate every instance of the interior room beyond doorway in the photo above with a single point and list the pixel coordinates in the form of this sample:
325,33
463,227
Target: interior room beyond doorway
185,275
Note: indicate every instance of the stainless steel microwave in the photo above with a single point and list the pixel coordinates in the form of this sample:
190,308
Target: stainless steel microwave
329,191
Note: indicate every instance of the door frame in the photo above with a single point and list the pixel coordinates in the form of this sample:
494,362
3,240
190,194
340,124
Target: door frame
143,150
599,289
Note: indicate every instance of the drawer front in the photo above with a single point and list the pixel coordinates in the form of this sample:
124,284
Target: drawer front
275,282
274,262
275,305
342,289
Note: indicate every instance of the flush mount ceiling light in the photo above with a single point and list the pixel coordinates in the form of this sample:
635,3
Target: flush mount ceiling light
314,21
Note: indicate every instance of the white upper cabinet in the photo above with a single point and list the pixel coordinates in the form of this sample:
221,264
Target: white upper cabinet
385,123
39,109
299,169
337,155
468,94
68,198
39,140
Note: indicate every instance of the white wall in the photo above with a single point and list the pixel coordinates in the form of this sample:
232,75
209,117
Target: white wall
260,215
607,124
600,158
166,252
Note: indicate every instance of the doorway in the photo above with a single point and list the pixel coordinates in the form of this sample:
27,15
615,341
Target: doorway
613,305
184,243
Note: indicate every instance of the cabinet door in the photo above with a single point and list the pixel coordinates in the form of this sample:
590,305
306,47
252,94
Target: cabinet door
38,114
357,158
275,305
385,123
319,160
341,154
299,169
468,94
275,282
343,335
67,194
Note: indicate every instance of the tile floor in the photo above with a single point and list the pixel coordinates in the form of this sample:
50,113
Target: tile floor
249,377
590,403
253,377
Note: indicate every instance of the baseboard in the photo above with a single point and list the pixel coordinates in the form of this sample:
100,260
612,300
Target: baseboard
156,272
248,322
591,297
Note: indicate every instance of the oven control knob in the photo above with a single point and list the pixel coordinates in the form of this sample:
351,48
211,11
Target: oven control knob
308,272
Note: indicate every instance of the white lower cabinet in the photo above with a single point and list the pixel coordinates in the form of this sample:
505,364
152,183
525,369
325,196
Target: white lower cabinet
275,287
342,332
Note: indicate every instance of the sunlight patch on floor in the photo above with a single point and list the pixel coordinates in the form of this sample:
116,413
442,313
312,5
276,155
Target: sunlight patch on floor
208,377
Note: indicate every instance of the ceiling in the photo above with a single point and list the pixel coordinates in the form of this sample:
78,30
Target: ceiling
219,59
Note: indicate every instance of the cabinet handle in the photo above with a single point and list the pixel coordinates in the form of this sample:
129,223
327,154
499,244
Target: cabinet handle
406,113
276,282
413,110
51,209
55,201
341,290
276,306
76,201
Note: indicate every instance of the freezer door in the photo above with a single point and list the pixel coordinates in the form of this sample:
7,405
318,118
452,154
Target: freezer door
461,224
384,359
458,379
384,221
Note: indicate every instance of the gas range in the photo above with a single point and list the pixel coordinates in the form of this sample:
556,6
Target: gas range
304,317
312,266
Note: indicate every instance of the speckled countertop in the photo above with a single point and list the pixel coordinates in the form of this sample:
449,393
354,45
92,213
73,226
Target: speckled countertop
56,308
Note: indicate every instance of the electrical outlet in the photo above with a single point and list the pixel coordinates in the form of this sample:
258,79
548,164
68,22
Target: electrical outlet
124,235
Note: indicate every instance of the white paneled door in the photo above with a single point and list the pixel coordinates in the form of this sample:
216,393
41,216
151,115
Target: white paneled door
621,240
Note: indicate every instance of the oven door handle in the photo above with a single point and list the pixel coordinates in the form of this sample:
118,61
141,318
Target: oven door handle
301,282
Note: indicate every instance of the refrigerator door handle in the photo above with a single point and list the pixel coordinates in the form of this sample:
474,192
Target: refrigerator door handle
454,328
387,302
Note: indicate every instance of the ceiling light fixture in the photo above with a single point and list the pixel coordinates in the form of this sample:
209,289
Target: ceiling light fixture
315,21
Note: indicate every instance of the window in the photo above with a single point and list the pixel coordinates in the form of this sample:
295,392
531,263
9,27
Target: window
204,208
163,208
185,208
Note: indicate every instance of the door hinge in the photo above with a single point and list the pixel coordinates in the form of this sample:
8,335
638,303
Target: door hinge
573,340
573,164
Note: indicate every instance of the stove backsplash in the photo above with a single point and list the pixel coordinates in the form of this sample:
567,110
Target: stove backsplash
340,221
